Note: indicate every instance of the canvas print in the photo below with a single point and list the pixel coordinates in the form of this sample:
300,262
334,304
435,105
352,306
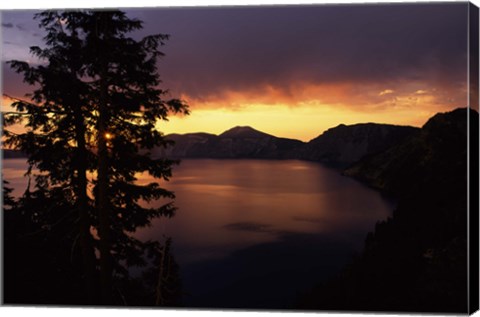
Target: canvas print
286,157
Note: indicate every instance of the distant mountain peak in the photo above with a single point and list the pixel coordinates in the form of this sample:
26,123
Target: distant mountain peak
243,132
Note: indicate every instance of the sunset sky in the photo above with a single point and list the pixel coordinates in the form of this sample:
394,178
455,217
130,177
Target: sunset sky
294,71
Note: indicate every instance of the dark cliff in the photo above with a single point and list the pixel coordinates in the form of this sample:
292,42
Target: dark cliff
415,261
344,144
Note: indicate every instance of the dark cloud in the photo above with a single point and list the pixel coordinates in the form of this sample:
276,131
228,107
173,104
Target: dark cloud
244,48
7,25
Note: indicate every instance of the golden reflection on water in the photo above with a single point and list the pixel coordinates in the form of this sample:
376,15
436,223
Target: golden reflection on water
227,205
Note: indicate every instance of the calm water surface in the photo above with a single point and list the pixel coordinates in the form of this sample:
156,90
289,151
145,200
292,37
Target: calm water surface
256,233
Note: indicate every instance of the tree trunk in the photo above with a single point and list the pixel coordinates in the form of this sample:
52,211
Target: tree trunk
86,244
106,267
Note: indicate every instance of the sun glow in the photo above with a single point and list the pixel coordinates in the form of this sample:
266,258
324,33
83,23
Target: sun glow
314,109
303,123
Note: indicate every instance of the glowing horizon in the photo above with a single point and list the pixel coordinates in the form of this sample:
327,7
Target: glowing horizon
304,119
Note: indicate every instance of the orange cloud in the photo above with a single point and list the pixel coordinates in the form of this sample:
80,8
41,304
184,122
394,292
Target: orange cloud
304,111
359,97
386,92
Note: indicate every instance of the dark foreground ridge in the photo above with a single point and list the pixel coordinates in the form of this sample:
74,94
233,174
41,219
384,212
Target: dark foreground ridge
415,261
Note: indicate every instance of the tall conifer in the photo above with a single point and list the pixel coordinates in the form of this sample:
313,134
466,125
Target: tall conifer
96,109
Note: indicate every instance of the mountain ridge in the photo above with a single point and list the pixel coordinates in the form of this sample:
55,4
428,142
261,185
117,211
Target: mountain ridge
243,132
338,146
240,142
345,144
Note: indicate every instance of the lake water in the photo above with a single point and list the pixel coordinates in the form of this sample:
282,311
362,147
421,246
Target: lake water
257,233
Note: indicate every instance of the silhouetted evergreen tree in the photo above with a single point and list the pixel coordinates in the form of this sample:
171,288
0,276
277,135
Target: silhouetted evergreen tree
96,109
7,199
